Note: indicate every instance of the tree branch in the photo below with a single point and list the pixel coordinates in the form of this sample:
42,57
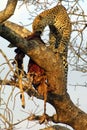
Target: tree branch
18,29
66,111
55,127
8,11
35,49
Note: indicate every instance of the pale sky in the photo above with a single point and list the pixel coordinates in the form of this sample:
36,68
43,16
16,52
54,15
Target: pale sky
77,94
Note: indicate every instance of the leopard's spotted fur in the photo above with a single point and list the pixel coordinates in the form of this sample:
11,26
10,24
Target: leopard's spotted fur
60,29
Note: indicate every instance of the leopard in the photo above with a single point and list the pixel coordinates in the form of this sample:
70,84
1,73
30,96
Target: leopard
60,27
59,23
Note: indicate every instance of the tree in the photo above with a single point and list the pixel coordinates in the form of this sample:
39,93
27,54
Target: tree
34,48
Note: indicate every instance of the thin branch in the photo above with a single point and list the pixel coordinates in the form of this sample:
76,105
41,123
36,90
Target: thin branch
7,61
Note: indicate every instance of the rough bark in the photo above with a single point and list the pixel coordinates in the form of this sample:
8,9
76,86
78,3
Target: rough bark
66,111
20,30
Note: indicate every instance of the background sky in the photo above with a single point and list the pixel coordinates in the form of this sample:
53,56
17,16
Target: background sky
77,94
